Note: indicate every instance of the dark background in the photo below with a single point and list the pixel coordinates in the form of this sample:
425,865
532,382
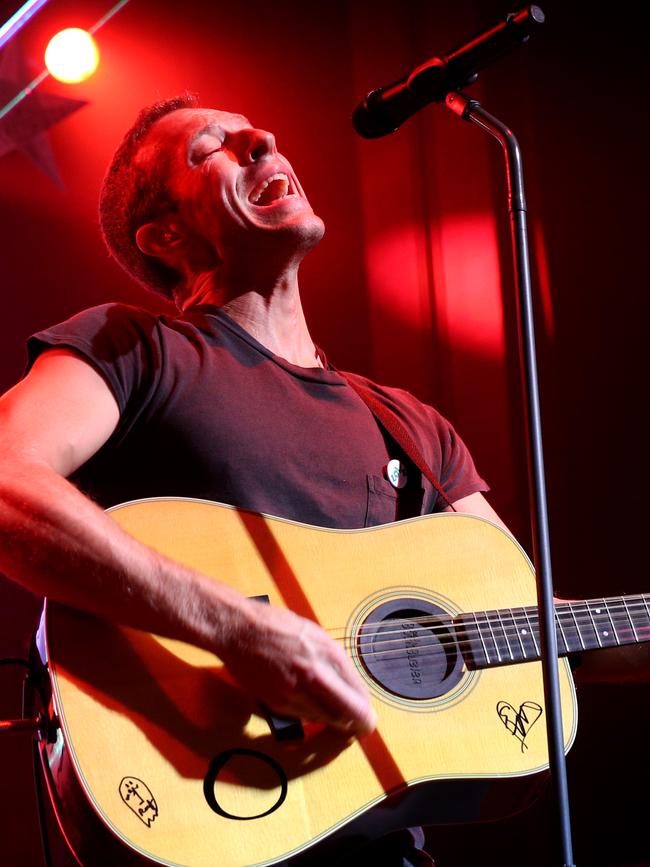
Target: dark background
412,285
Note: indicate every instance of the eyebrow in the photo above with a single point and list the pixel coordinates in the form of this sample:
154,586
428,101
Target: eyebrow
214,127
210,129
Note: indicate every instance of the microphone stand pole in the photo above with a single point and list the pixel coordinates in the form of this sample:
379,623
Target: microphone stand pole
472,111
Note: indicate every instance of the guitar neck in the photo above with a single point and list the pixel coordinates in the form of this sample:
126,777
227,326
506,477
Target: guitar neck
502,637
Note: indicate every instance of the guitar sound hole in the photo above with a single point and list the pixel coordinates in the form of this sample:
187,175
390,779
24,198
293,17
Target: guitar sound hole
408,645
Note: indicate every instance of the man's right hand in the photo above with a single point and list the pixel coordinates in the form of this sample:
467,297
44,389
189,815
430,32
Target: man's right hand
59,544
296,669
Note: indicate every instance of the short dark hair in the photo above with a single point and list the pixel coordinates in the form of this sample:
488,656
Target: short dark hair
133,194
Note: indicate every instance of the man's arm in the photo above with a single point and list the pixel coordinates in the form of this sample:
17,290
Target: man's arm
476,504
57,543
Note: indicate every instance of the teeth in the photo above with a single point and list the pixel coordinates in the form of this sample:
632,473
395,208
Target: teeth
256,195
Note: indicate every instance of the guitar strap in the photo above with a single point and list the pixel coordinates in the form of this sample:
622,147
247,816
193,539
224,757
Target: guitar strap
393,426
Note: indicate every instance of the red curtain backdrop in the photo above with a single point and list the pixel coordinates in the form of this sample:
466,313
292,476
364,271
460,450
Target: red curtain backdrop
412,284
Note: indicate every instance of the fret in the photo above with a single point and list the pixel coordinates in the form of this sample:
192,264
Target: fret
611,621
635,607
602,622
562,645
516,631
526,633
620,621
533,631
575,623
470,639
505,632
627,611
480,635
641,613
493,636
593,624
565,616
586,625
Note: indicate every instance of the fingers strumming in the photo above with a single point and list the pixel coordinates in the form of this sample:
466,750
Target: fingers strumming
346,705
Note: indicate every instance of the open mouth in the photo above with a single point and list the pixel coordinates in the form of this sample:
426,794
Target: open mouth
270,190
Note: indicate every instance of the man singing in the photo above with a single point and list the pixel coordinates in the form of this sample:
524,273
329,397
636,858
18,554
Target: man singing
228,401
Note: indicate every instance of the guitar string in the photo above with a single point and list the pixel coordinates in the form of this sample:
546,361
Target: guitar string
420,643
588,606
504,648
627,635
500,632
518,655
575,614
438,647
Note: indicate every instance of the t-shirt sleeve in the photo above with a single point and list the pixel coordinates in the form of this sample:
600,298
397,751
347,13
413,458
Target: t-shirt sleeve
119,341
458,475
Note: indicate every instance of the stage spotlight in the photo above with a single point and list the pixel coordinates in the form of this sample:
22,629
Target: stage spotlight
72,55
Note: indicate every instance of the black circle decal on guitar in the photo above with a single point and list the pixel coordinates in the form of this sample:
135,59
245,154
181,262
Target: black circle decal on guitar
218,764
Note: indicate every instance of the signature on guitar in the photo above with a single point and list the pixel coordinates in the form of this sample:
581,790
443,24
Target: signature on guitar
519,722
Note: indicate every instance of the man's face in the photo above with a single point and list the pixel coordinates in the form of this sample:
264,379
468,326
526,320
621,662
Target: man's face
231,184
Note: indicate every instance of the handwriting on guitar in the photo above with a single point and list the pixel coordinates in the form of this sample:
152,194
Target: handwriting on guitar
138,798
519,722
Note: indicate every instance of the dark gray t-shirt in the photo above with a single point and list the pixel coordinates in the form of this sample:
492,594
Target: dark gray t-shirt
206,411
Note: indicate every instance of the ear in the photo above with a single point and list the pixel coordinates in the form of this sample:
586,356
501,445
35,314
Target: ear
177,246
162,239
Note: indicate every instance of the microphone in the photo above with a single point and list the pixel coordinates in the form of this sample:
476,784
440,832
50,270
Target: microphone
384,110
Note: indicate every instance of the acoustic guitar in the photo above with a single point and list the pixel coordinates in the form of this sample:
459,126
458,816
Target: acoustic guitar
155,756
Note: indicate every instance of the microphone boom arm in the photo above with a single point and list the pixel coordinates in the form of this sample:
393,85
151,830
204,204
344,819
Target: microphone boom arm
385,109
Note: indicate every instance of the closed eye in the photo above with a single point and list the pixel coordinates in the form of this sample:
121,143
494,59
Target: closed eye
212,148
205,147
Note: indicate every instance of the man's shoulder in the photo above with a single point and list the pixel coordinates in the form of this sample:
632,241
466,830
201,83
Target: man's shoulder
389,394
114,311
112,321
102,332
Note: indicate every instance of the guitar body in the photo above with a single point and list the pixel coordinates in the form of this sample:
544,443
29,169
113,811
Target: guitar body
166,761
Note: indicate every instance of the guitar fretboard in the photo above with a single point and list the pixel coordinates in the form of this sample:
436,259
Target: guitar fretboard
509,635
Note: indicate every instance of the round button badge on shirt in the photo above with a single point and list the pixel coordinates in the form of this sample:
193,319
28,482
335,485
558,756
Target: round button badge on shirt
396,473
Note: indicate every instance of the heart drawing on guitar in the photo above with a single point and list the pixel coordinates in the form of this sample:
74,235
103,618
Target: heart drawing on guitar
519,722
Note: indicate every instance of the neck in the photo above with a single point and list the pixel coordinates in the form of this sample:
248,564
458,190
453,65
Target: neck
271,312
492,638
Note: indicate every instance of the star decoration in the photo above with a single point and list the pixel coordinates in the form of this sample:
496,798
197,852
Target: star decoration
24,127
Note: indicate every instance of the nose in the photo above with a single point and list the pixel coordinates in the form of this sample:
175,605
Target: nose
252,145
